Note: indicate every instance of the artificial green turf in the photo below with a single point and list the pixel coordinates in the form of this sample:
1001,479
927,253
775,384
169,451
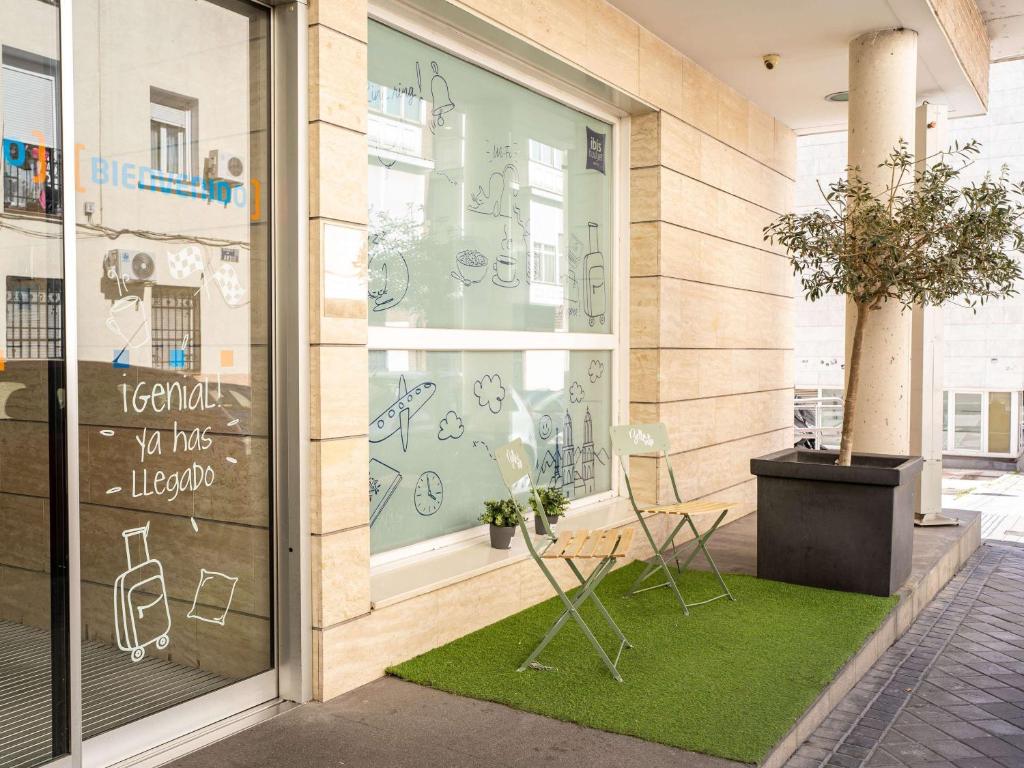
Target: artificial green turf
729,680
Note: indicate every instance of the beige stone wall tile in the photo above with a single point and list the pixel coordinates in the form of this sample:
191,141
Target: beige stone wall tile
697,423
644,317
645,194
356,652
699,373
660,73
680,148
645,249
691,255
337,78
337,283
645,140
337,173
338,484
644,374
348,16
613,43
733,119
508,13
340,391
341,576
700,97
708,470
557,25
785,150
760,134
698,315
480,601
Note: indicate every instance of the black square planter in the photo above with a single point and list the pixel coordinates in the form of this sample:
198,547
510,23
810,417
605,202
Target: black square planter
847,528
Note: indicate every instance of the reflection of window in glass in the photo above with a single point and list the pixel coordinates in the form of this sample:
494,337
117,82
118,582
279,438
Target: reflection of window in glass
34,318
967,421
945,420
175,327
999,422
397,122
171,133
31,163
546,164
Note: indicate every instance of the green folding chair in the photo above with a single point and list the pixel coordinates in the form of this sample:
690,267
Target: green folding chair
601,547
632,439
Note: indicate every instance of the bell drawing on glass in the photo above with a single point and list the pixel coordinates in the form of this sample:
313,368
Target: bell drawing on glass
142,616
439,96
595,296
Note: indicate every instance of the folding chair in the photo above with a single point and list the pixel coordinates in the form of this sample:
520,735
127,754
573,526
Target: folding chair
601,547
633,439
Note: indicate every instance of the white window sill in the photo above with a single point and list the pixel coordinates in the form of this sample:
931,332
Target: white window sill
419,574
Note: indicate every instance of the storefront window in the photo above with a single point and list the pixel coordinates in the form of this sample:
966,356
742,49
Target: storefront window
999,422
491,209
34,589
967,421
173,327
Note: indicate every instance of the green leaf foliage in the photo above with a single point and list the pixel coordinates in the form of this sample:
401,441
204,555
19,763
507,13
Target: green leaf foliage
504,513
555,502
923,239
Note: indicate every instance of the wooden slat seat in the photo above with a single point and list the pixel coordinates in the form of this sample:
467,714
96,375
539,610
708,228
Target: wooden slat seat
590,544
691,507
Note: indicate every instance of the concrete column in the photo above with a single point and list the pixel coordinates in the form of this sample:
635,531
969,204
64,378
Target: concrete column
926,355
883,92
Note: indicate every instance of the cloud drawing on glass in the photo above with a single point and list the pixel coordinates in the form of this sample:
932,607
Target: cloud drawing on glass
595,371
384,481
213,597
576,393
451,427
470,267
428,496
489,392
142,616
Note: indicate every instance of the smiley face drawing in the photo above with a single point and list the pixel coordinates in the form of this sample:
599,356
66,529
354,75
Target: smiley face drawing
429,493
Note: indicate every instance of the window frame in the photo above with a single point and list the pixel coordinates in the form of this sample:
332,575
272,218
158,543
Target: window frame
436,33
189,147
949,444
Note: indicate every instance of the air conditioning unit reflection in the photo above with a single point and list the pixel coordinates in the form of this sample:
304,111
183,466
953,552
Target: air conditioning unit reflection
225,167
128,266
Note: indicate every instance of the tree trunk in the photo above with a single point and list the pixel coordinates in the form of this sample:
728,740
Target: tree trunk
852,387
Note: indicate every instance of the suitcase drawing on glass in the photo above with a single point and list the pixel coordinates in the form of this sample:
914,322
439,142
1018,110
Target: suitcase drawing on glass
141,613
595,297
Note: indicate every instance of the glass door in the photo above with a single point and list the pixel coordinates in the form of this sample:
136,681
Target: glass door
172,131
34,636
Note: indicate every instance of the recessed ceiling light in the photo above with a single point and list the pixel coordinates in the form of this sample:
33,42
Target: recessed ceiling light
841,96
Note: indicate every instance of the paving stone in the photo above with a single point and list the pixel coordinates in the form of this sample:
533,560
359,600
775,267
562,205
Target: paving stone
950,692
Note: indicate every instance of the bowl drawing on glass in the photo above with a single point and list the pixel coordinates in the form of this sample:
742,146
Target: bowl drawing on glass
470,267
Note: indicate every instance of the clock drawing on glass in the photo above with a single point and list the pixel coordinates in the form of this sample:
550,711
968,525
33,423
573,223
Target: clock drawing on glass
429,493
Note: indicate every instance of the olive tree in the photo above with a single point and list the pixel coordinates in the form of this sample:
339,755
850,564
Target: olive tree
925,238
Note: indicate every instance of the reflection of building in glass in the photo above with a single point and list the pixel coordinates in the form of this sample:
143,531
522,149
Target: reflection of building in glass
587,459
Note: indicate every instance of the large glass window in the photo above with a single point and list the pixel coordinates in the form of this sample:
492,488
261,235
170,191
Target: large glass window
35,696
981,422
491,210
173,329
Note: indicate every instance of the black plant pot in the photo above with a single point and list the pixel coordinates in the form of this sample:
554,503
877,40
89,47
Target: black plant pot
538,524
501,536
847,528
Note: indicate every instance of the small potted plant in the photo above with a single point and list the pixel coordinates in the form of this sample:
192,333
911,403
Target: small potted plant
555,503
503,515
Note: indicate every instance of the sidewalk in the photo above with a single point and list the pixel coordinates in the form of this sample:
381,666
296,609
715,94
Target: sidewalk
950,692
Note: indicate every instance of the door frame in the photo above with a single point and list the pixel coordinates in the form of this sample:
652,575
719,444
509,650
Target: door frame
187,726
